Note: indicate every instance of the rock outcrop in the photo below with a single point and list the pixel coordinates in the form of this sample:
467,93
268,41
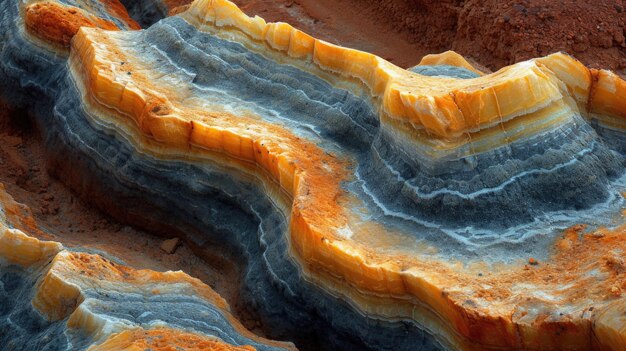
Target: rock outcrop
59,299
372,207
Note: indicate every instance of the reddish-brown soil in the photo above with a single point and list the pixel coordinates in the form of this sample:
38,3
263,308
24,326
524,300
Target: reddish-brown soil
494,33
498,33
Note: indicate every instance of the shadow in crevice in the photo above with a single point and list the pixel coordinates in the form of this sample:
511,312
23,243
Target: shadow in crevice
145,12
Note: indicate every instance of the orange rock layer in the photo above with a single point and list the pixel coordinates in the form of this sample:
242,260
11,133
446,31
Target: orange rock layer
164,340
511,306
445,108
57,23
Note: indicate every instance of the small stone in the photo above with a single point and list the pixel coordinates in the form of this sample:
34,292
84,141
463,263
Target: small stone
616,291
170,245
533,262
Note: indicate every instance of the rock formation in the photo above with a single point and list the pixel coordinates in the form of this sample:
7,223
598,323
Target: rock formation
372,207
59,299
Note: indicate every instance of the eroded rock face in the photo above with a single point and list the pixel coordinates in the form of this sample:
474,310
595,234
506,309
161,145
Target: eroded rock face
58,299
372,207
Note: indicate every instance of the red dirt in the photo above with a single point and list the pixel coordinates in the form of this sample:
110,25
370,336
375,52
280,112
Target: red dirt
494,33
592,31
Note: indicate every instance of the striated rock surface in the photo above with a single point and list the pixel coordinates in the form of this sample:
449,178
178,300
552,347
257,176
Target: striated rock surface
372,207
59,299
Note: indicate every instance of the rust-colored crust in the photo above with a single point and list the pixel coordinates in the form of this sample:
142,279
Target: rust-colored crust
163,339
19,216
57,23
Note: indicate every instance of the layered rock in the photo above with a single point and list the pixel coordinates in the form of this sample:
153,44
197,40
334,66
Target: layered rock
55,298
56,22
373,207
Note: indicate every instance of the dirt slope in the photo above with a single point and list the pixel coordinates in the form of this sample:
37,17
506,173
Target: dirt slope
494,33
